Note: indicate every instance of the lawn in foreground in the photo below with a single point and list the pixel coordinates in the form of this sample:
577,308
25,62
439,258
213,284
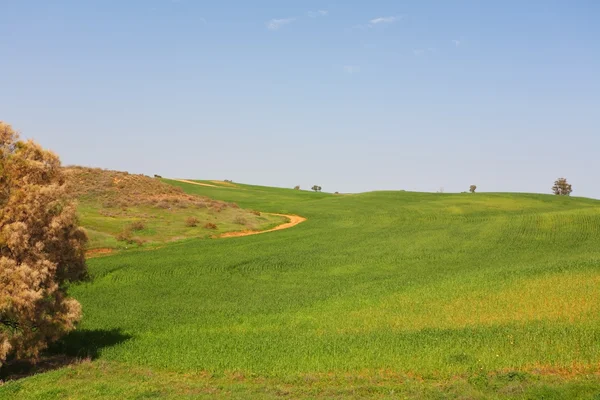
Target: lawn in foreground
441,288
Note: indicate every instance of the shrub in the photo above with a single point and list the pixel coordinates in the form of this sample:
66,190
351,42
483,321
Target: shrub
41,249
137,226
562,187
240,220
126,235
191,222
296,187
316,188
210,225
257,213
472,188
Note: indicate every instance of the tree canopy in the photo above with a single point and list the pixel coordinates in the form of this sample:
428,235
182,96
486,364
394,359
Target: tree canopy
41,249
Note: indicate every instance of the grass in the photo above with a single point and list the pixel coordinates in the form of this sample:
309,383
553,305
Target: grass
379,294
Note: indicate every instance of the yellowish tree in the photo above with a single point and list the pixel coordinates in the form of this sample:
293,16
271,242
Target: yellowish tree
41,249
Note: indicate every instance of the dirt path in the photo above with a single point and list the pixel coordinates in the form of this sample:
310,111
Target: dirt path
195,183
293,221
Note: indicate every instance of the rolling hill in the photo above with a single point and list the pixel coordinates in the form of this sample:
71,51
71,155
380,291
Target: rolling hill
380,294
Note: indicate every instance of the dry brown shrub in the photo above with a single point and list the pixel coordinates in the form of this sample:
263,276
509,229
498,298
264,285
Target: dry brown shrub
257,213
41,249
137,226
210,225
191,222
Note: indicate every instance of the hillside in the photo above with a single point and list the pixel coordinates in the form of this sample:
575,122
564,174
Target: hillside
382,294
120,210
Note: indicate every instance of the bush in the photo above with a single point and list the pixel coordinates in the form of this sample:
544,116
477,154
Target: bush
472,188
210,225
257,213
296,187
137,226
240,220
316,188
41,251
126,235
191,222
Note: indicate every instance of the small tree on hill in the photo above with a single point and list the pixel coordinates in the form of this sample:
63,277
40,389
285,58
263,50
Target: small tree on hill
562,187
41,249
472,188
316,188
296,187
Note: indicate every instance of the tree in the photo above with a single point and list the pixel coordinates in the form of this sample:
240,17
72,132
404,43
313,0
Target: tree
472,188
562,187
316,188
297,187
41,249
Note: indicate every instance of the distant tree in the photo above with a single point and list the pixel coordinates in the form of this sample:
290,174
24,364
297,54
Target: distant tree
562,187
316,188
296,187
41,249
472,188
157,176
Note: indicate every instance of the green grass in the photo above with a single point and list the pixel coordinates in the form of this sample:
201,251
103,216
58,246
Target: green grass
376,294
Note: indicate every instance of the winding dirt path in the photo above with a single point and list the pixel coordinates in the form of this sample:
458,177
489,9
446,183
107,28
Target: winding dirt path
195,183
293,221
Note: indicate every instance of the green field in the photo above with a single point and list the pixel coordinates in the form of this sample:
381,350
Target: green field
381,294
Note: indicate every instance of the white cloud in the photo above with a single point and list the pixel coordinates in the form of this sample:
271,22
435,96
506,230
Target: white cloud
351,69
319,13
383,20
456,42
276,24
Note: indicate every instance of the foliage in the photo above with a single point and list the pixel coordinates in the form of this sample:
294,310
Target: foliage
562,187
41,249
316,188
297,187
240,220
191,222
137,226
472,188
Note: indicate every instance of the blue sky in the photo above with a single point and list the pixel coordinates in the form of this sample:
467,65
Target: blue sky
353,96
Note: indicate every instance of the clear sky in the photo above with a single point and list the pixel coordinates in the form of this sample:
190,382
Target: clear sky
352,96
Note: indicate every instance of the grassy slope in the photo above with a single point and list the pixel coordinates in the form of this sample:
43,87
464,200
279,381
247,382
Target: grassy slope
412,293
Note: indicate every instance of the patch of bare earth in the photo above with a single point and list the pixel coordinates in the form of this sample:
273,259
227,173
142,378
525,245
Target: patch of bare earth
98,252
293,221
195,183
